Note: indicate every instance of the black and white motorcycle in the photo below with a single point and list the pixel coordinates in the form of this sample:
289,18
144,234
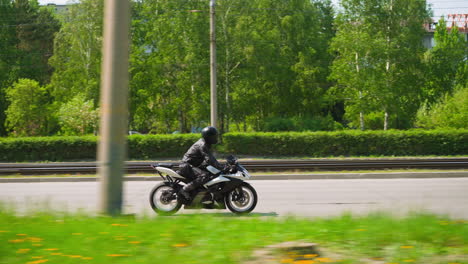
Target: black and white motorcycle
223,190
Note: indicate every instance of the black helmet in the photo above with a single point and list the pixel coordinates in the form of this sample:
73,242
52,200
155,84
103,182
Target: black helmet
210,134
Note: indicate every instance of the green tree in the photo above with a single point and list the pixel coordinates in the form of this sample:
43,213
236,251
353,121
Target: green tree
28,109
7,54
27,33
446,63
169,66
384,71
35,30
77,53
282,59
78,116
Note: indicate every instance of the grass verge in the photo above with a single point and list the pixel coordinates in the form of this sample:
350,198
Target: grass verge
211,238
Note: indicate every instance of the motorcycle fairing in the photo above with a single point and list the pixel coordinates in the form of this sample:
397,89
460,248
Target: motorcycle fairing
216,180
170,172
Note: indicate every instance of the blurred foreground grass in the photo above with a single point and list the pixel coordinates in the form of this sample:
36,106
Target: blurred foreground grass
222,238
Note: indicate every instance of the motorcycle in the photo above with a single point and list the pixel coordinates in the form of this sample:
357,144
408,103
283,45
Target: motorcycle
224,189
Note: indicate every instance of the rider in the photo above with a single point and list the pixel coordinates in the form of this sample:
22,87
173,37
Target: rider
197,159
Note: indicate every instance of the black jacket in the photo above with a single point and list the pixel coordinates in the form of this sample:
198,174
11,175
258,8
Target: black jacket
199,155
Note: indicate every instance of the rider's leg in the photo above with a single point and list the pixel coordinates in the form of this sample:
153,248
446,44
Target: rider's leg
201,178
186,170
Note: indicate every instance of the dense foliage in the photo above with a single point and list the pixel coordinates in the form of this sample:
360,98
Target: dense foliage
291,65
27,112
349,143
26,43
451,112
378,68
310,144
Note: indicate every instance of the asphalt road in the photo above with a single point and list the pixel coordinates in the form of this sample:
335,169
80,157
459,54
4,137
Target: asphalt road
276,197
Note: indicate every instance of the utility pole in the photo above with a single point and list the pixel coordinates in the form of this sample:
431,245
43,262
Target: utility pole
213,97
114,110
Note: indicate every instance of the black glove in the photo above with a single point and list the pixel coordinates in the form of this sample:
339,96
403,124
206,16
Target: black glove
229,169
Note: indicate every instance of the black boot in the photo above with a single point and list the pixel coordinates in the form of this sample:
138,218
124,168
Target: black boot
185,191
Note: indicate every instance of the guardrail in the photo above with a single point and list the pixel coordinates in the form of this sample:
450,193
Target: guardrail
251,165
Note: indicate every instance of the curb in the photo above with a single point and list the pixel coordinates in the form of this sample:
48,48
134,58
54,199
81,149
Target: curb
323,176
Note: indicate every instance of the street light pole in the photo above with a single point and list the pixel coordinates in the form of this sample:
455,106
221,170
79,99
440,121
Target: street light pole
213,96
114,110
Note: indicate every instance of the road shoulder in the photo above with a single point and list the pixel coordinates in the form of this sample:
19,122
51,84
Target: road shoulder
279,176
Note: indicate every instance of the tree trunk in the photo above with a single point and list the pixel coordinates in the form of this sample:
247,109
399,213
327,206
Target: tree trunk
361,114
386,121
361,120
181,121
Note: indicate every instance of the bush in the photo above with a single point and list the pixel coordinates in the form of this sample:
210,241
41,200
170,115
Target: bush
47,148
313,144
349,143
85,147
78,116
451,112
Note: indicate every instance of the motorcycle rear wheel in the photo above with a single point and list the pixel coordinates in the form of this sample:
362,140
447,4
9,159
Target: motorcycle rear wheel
242,200
162,200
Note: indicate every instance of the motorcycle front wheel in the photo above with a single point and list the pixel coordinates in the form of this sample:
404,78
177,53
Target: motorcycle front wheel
163,199
242,200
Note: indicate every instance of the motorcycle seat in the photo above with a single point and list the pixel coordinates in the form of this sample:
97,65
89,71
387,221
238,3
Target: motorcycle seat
166,165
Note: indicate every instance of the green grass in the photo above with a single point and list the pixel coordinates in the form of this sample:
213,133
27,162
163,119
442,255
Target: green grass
224,238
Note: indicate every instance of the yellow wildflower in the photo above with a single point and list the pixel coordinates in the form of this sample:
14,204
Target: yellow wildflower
37,257
361,229
118,255
406,247
38,261
304,262
324,260
408,260
16,240
86,258
51,249
34,239
310,255
56,254
75,256
119,225
180,245
3,231
23,250
287,260
134,242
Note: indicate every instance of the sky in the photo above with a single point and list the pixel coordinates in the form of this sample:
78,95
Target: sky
439,7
